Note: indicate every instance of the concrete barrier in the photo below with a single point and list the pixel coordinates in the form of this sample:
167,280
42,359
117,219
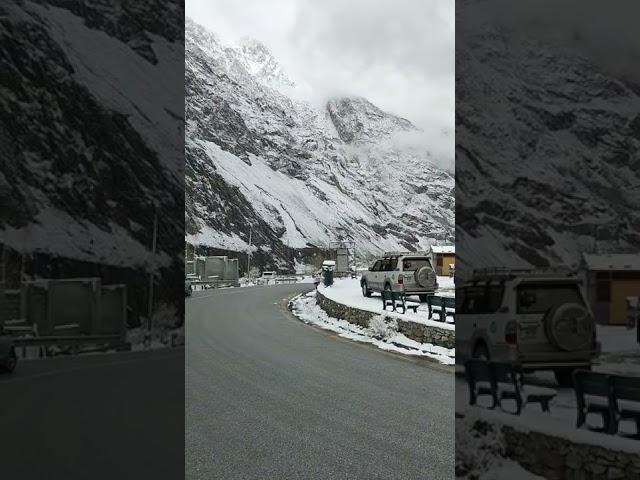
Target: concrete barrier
79,305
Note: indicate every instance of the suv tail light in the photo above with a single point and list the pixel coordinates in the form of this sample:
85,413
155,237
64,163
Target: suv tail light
400,279
510,332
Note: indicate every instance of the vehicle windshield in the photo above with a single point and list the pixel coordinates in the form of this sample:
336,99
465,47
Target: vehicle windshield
540,298
413,264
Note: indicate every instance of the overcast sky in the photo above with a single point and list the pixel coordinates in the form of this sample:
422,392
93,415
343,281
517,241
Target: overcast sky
399,54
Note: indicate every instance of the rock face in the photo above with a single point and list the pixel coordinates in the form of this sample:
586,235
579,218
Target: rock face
547,152
295,173
88,143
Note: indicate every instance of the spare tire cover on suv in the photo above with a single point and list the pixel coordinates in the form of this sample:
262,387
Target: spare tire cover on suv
570,327
425,277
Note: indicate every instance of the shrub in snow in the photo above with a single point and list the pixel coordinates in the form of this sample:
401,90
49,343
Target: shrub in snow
382,328
479,448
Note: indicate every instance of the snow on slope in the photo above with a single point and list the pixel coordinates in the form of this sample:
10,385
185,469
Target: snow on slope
297,174
126,82
546,153
88,139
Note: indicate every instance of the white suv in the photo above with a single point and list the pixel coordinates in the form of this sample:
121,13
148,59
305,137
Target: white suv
411,273
266,278
535,319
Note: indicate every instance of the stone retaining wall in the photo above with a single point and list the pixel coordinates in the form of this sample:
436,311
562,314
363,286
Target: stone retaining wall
558,458
415,331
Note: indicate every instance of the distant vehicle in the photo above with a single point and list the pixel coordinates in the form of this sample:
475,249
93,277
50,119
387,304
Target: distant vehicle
8,357
188,288
411,273
534,319
266,278
329,265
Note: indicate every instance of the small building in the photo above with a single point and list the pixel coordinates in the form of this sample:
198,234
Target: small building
610,279
443,258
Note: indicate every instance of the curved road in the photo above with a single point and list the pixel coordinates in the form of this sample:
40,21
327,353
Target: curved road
268,397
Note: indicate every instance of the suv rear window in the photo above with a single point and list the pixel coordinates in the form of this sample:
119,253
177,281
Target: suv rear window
413,264
540,298
389,264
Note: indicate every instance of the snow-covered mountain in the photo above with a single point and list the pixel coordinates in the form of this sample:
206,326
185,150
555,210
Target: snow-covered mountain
91,136
297,174
547,150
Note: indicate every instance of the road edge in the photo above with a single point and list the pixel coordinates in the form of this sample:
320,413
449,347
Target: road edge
425,361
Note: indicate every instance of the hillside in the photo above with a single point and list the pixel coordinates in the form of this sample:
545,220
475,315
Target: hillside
297,173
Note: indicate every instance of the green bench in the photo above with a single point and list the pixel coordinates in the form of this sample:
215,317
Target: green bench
397,300
503,381
441,303
614,397
479,381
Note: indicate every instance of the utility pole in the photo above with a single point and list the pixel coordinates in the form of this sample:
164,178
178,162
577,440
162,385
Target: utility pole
249,257
152,273
4,261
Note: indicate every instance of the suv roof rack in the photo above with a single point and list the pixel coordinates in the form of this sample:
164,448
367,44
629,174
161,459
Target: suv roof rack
398,254
496,273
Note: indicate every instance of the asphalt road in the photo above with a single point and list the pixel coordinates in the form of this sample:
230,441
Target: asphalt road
268,397
94,416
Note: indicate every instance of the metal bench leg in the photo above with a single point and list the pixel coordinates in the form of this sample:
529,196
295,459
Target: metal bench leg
608,423
581,418
472,395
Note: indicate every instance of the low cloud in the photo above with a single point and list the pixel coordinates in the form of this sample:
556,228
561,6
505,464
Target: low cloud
399,54
604,32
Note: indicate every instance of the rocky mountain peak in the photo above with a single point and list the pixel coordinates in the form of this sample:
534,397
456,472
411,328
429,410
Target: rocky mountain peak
260,62
357,119
296,173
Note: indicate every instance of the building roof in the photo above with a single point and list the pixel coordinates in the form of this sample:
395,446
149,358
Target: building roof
612,262
443,249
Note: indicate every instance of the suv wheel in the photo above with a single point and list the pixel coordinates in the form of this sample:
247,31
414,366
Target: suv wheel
365,289
564,377
424,298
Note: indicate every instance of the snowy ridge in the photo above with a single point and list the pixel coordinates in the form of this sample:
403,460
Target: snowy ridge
91,129
554,142
295,173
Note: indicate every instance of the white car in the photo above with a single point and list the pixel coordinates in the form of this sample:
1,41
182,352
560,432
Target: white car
534,319
266,278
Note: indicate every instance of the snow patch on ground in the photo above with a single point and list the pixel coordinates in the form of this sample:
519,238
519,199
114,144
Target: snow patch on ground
164,331
381,334
480,454
618,339
553,425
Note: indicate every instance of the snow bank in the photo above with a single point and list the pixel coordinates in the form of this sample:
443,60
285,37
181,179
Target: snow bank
347,292
618,339
380,333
